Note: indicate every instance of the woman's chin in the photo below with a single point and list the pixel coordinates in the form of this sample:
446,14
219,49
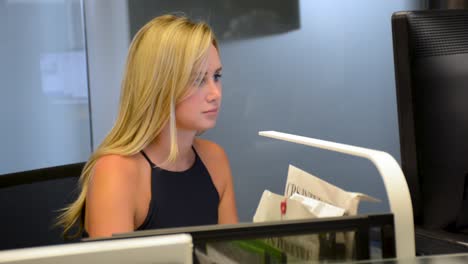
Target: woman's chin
207,126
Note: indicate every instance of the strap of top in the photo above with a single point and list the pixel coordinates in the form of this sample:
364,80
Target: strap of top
196,154
148,159
154,165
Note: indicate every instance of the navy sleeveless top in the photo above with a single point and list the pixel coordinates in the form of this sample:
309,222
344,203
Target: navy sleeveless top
186,198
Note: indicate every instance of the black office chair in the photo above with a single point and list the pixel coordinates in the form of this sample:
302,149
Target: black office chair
29,202
431,71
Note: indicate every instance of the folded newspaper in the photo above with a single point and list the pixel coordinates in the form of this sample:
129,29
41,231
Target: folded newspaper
307,196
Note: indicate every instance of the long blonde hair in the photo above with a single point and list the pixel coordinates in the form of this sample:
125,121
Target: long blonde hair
164,59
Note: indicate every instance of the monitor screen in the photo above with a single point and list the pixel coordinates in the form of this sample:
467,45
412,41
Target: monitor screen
161,249
431,70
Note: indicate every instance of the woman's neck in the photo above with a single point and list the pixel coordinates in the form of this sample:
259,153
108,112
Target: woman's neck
160,148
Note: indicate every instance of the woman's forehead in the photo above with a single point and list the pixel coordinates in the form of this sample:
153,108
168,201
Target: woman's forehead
213,60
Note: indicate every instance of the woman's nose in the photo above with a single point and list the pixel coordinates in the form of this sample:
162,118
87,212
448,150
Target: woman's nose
214,91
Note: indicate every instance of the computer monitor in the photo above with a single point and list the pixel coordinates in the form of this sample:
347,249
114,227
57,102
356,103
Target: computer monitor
431,71
161,249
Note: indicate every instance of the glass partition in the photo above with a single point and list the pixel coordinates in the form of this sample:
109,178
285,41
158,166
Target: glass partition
44,109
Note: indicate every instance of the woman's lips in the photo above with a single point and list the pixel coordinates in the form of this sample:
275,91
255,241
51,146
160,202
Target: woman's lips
212,111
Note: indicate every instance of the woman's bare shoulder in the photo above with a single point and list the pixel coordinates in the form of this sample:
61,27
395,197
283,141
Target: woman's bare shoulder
122,165
210,149
116,171
112,193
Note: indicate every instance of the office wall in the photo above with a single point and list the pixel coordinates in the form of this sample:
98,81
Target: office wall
331,79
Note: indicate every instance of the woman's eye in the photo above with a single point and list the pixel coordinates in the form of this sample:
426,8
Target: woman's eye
217,76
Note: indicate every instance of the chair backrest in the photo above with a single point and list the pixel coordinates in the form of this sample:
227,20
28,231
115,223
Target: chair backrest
431,70
29,202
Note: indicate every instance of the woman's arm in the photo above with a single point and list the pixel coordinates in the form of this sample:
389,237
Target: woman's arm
227,212
217,164
110,201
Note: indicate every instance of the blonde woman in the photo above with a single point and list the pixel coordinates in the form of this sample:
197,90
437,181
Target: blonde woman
151,171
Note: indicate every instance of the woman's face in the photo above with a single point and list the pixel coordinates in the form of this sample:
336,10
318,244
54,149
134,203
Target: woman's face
200,109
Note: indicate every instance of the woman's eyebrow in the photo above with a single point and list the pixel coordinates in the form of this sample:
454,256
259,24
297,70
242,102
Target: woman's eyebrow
216,71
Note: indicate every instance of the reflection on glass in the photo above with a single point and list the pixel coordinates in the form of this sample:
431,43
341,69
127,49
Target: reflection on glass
63,75
44,94
328,247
